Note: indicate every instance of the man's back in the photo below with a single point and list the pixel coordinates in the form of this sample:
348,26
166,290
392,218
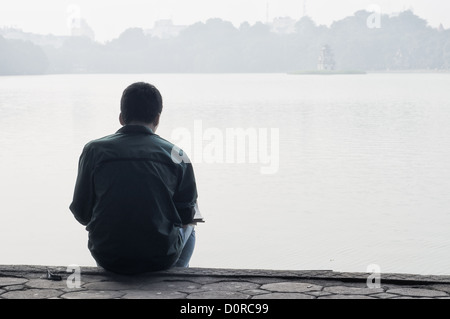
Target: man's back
134,199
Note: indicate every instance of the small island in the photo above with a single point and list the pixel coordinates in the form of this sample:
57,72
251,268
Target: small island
327,72
326,65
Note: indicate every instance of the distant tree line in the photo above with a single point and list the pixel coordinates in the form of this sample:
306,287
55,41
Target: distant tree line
21,58
403,42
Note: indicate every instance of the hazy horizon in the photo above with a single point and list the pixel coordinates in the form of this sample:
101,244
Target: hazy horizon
52,17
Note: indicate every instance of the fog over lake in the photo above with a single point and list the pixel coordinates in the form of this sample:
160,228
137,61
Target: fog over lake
362,174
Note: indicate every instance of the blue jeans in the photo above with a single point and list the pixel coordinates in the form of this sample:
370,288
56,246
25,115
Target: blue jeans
188,235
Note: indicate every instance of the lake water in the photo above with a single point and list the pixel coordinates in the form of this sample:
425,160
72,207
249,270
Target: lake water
363,172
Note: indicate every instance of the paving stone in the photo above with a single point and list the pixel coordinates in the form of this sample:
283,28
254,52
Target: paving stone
266,280
384,295
86,279
343,290
46,284
291,287
406,297
29,282
110,285
218,295
335,283
346,297
93,295
14,288
417,292
445,288
180,286
231,286
317,293
280,295
140,294
32,294
11,281
255,292
205,280
143,281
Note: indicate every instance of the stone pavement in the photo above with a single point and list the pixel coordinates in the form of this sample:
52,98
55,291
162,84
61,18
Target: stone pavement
32,282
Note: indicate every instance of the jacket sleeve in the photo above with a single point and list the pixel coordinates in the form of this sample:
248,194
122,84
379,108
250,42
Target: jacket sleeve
83,198
185,197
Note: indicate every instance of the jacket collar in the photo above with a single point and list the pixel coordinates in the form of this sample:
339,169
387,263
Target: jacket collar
127,129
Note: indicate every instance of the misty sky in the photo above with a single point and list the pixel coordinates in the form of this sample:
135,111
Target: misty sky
109,18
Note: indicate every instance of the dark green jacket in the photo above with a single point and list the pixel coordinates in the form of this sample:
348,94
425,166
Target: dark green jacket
133,198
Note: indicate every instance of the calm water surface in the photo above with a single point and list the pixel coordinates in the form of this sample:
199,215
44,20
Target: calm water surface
364,169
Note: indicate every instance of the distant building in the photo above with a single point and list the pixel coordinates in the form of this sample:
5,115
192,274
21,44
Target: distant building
165,29
82,29
37,39
283,25
326,59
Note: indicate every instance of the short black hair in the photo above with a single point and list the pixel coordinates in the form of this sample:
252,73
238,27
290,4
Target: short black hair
141,102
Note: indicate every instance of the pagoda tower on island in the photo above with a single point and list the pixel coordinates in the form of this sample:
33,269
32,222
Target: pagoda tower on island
326,59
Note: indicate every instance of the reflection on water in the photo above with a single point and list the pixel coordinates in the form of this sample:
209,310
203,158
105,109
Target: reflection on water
363,179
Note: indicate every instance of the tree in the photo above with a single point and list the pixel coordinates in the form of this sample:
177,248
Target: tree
403,42
19,57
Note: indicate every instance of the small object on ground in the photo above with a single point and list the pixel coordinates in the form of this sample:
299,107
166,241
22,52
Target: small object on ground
52,276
